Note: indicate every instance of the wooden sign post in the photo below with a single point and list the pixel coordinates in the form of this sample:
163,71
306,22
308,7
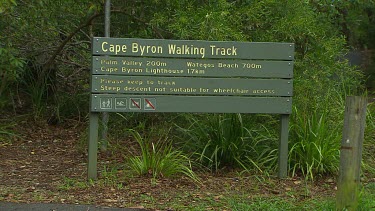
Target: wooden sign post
348,183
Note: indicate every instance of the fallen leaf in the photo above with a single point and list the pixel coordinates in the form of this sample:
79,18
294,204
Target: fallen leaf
137,207
218,197
110,200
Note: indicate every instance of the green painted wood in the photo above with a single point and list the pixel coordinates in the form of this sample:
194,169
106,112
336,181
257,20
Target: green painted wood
348,184
193,104
105,116
192,49
283,146
93,146
191,67
191,86
138,66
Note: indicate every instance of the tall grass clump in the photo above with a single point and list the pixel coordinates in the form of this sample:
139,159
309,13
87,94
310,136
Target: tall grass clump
35,86
222,141
318,114
160,159
314,144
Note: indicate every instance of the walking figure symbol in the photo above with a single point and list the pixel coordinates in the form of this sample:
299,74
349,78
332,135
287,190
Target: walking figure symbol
105,103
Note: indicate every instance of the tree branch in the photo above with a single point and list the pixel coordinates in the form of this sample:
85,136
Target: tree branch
58,50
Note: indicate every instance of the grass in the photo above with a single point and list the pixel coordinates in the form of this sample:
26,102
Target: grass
238,202
315,145
160,159
259,203
70,183
230,200
369,142
109,175
37,93
223,141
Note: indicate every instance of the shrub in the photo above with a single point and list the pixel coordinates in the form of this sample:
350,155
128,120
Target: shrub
10,71
160,159
222,141
314,144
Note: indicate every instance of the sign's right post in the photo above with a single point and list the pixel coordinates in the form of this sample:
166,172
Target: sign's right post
283,146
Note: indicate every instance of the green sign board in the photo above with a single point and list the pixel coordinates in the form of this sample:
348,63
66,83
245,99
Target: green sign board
155,75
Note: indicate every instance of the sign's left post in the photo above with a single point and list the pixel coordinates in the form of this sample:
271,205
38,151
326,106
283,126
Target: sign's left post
92,173
93,146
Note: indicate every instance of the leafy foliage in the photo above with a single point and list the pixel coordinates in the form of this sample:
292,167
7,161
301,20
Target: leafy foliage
160,159
355,20
10,67
37,29
220,141
315,145
7,5
321,78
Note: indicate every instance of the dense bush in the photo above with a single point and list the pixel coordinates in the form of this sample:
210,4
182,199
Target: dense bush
322,78
224,141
